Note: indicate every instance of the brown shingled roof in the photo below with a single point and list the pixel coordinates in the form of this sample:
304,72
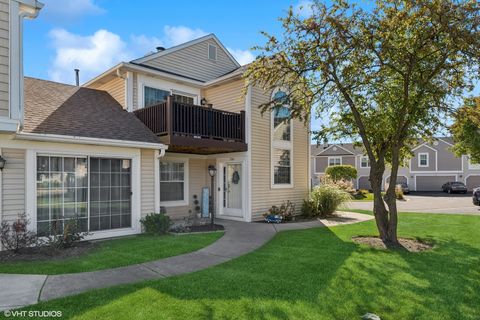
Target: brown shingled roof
61,109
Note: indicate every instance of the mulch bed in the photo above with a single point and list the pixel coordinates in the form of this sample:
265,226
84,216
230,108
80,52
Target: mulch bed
411,245
45,253
198,229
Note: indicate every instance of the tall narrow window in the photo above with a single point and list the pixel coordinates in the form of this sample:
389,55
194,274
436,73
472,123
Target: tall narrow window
423,159
212,52
172,181
154,96
62,184
282,144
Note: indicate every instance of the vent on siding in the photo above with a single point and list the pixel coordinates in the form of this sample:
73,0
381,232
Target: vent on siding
212,52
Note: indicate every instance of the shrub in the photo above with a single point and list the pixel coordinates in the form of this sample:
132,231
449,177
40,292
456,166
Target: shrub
66,235
325,199
341,172
399,192
286,210
156,223
15,235
308,209
345,185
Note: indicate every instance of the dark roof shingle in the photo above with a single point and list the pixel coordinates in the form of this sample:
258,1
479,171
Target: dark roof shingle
61,109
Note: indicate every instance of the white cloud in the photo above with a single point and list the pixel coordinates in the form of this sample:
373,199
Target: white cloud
70,9
303,8
91,54
180,34
94,54
242,56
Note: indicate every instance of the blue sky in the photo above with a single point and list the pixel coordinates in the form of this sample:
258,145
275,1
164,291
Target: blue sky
93,35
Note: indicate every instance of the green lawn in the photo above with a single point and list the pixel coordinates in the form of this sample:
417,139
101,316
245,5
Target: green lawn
313,274
117,253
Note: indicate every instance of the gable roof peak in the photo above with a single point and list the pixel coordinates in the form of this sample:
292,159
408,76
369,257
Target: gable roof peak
166,51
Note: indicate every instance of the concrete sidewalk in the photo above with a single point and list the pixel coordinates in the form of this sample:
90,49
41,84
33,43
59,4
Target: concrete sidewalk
240,238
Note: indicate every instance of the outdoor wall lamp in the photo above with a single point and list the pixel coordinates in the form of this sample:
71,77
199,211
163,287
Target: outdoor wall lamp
212,171
203,101
2,163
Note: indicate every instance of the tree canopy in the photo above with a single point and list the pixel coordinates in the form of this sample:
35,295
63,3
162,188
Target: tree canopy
466,130
383,77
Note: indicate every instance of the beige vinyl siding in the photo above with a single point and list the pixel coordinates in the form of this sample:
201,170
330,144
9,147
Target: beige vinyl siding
228,96
263,196
116,88
197,179
4,58
193,62
147,183
13,184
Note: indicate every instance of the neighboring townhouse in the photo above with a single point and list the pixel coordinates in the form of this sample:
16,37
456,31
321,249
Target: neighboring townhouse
142,136
431,166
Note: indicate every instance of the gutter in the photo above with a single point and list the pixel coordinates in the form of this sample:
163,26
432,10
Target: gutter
91,141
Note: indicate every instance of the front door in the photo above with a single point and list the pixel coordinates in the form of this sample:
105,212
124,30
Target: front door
231,189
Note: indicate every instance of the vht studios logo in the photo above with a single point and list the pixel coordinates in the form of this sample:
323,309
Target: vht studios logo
32,314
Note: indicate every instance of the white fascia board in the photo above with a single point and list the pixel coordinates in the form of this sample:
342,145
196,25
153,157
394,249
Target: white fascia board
425,144
335,145
148,71
90,141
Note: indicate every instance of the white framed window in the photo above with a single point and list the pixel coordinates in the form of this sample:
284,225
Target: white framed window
364,162
212,52
281,142
173,182
96,192
334,161
423,159
153,96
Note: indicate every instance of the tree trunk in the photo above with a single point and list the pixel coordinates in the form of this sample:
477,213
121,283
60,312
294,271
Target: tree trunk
379,210
391,198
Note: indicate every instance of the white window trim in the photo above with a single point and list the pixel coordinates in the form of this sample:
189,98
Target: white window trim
280,144
31,185
420,165
361,162
145,81
186,183
334,157
208,52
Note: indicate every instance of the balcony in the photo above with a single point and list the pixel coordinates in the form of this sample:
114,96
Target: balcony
188,128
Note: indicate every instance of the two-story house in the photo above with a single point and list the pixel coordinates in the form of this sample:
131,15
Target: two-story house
432,165
141,136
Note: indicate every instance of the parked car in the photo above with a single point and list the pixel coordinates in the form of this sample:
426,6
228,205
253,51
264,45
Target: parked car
454,187
476,196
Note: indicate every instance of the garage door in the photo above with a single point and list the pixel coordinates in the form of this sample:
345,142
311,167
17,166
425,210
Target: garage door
432,183
472,182
400,179
364,183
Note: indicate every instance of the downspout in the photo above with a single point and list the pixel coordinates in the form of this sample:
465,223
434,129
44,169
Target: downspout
156,180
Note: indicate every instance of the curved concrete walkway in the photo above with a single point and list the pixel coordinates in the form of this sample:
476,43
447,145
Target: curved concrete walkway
17,290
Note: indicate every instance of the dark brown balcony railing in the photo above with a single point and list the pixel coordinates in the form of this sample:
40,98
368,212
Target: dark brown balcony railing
182,119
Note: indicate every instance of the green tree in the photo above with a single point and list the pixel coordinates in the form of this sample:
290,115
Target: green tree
466,130
384,76
341,172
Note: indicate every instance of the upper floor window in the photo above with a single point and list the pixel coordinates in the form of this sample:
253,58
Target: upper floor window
281,117
282,144
183,99
334,161
154,96
364,162
423,159
212,52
